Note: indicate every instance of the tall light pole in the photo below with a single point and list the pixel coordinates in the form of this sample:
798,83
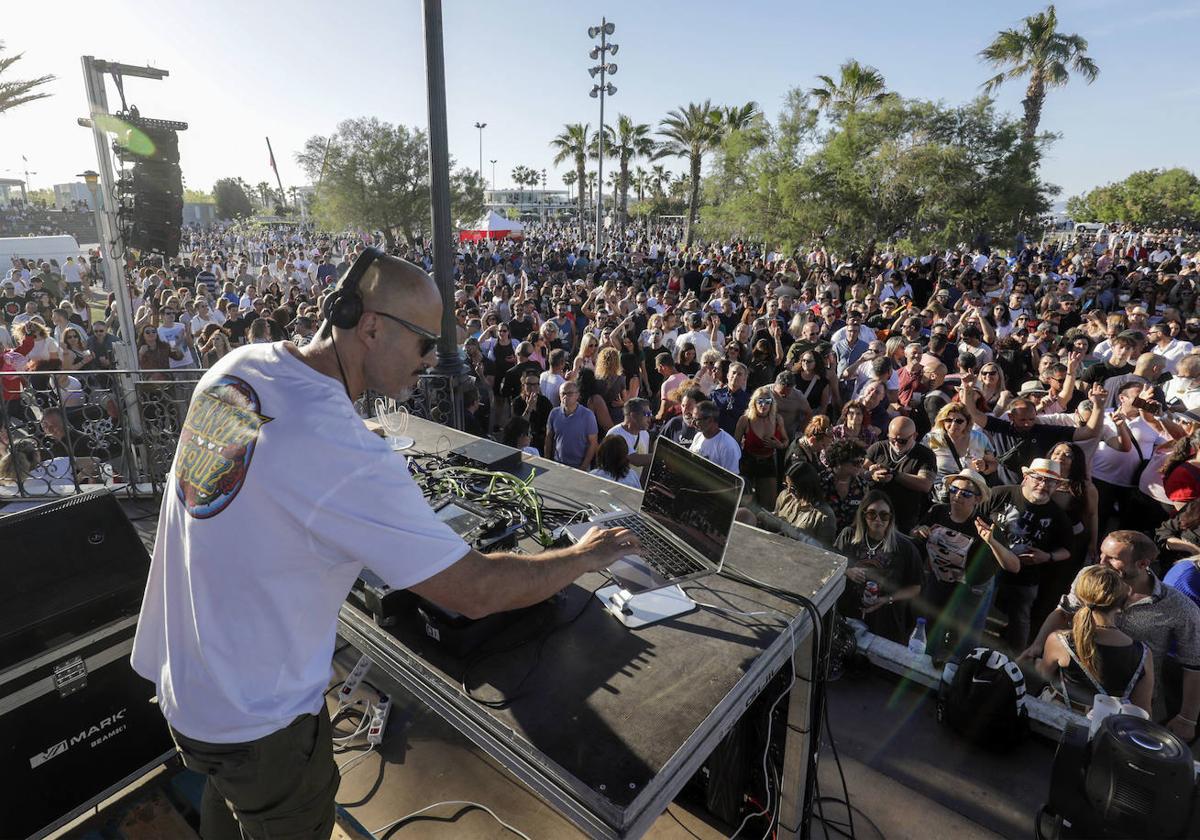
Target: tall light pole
601,53
449,361
481,127
493,174
543,196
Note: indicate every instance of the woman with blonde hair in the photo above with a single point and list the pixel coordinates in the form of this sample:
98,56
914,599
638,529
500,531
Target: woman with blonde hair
994,395
611,385
761,435
708,376
958,445
1095,657
44,346
586,358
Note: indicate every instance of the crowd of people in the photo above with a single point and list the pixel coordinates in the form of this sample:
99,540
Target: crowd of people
983,434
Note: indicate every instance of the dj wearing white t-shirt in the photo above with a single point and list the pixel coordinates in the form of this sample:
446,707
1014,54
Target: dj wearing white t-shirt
277,498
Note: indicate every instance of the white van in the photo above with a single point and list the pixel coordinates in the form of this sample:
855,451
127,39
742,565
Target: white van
37,248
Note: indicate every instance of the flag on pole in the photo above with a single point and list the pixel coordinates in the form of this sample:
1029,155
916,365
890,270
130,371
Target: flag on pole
274,168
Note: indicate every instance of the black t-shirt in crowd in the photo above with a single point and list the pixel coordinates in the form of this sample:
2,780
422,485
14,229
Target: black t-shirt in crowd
692,280
1016,449
1021,525
954,550
908,505
1105,371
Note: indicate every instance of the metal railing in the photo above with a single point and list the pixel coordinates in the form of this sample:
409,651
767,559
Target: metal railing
67,432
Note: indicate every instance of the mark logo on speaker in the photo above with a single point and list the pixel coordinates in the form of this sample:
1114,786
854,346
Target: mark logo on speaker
105,729
216,446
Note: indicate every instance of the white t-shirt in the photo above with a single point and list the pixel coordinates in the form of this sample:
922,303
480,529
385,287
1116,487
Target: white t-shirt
174,335
1117,467
549,383
721,449
259,540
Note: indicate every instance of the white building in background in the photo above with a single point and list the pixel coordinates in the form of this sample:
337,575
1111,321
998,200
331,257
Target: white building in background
530,205
10,189
65,195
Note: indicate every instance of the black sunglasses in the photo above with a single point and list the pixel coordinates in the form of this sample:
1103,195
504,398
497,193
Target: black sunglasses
429,340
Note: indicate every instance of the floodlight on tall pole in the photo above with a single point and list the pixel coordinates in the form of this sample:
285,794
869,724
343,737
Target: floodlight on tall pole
481,126
601,53
493,174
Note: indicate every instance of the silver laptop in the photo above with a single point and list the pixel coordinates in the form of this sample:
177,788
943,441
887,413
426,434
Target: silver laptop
684,521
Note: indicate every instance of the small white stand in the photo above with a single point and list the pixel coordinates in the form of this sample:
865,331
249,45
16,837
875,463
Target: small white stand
644,608
399,443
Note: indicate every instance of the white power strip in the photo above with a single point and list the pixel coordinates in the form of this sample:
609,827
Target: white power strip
353,679
379,720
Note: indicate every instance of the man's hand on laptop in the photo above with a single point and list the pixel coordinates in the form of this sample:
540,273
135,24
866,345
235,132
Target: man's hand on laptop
601,547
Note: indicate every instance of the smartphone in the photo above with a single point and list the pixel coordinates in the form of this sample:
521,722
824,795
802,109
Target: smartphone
1153,406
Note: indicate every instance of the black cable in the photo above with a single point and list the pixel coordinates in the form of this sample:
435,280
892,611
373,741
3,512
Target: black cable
816,672
838,763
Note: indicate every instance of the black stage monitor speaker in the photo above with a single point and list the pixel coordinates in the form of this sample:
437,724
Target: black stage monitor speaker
76,723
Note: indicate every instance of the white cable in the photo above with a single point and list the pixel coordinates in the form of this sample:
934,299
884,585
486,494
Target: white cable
346,766
362,724
417,813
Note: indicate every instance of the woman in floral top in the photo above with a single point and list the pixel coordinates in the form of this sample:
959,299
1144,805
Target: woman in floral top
844,480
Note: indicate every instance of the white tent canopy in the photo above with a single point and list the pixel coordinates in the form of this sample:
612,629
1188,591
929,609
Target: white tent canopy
492,226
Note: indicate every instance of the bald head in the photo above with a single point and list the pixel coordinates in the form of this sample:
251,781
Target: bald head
902,434
402,288
391,346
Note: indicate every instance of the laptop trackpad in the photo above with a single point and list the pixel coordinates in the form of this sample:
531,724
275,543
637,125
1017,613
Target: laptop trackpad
636,575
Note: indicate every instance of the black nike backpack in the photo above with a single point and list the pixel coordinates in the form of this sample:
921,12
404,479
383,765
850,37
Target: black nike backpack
986,701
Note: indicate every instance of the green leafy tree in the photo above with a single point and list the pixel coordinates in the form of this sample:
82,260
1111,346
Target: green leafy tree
198,197
691,132
856,85
377,176
1152,197
14,92
1048,57
918,173
572,144
623,143
231,198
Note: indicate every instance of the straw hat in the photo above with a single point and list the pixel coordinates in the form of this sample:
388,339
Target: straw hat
1043,467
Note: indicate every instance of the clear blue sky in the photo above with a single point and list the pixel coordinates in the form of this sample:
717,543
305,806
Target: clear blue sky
244,70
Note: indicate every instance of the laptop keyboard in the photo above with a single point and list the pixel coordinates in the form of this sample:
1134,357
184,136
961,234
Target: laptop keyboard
664,557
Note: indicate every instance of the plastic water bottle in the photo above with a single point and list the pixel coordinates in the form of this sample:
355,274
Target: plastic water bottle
916,642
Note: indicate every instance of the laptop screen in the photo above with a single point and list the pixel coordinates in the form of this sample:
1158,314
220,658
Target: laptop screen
692,498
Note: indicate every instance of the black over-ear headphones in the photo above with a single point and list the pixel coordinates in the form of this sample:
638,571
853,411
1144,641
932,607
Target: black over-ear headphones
344,306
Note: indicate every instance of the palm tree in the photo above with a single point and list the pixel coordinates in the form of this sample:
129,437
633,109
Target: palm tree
659,176
573,144
856,85
570,178
524,176
264,192
739,117
591,187
624,142
641,180
689,133
18,91
1043,53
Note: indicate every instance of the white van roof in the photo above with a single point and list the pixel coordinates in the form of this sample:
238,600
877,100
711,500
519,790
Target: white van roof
37,248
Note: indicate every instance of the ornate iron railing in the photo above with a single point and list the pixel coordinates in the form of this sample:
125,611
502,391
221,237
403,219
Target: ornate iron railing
68,432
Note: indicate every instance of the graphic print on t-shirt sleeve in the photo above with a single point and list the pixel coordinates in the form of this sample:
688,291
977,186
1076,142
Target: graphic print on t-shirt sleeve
216,445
